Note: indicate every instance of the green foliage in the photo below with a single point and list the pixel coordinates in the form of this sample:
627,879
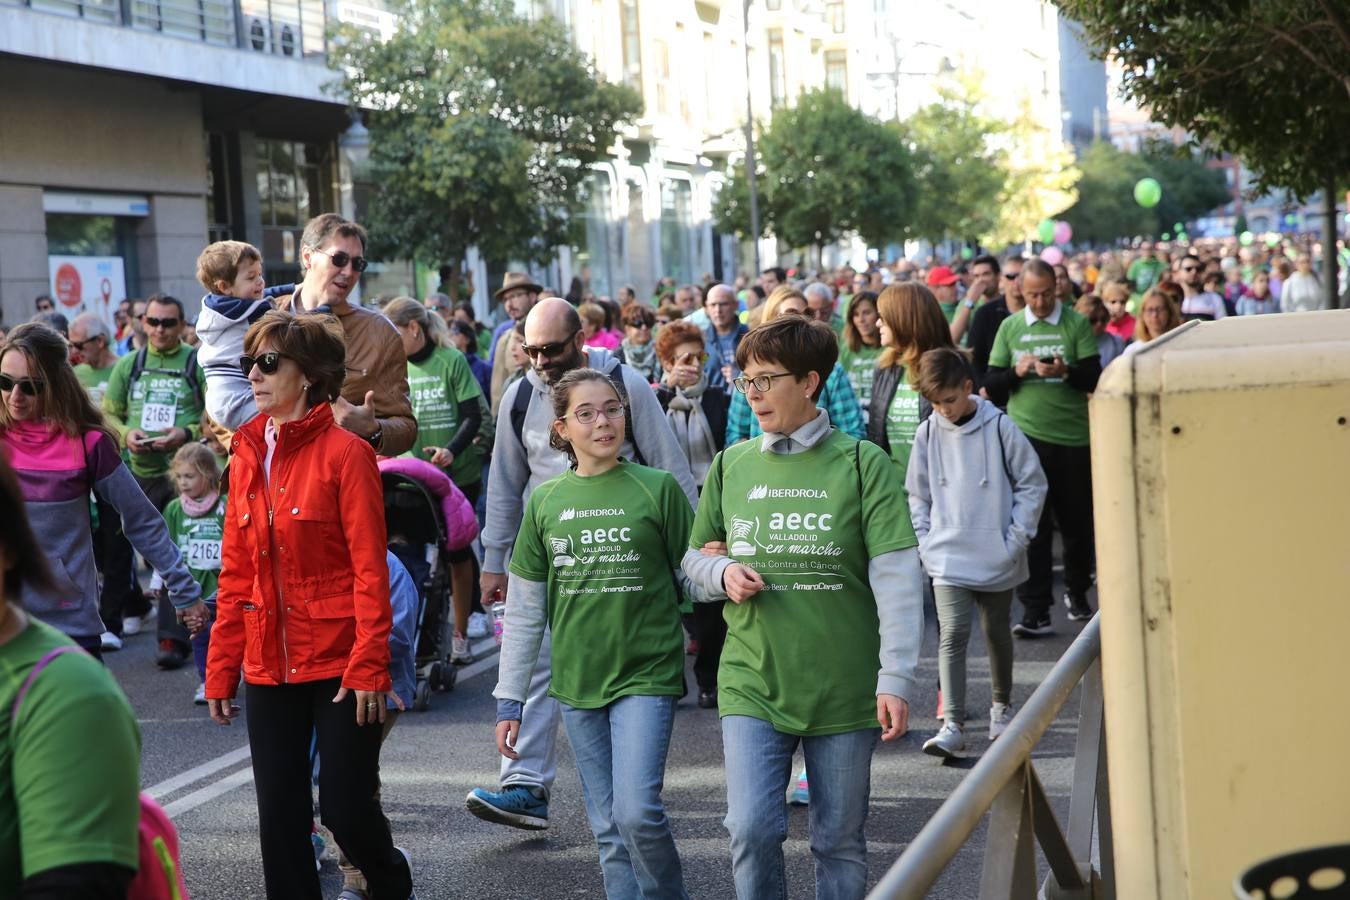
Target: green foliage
959,172
1264,79
824,170
482,127
1106,208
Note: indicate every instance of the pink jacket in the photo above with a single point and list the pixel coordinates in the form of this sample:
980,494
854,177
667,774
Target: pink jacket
461,525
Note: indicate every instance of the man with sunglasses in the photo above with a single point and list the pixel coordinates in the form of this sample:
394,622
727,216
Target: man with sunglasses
155,398
522,459
1198,303
374,404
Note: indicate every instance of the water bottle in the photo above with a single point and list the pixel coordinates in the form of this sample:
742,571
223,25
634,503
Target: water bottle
498,613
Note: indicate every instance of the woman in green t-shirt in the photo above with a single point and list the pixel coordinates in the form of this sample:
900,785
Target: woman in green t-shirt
68,817
862,345
596,561
446,401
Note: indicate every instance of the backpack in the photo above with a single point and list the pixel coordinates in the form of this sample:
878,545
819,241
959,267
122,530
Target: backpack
160,872
189,372
525,394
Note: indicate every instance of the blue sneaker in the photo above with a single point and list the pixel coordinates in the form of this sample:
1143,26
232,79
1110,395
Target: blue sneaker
801,794
516,806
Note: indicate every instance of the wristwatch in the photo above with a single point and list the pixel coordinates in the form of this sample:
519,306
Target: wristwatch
374,439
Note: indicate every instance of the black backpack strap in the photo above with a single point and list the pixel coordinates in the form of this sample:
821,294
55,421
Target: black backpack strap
857,466
190,372
519,407
1002,451
615,376
137,366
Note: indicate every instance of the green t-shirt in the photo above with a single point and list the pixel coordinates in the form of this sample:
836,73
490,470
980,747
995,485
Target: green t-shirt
70,768
95,381
1047,409
1144,273
949,310
160,399
608,546
861,367
902,423
198,539
437,385
803,654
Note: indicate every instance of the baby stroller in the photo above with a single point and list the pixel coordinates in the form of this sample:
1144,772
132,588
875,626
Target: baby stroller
417,536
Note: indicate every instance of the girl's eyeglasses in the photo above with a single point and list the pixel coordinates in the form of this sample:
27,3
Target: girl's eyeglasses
688,359
588,414
267,363
29,386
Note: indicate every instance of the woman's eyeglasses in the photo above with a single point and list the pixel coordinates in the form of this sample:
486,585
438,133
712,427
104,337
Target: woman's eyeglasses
588,414
639,325
267,363
341,258
761,383
688,359
29,386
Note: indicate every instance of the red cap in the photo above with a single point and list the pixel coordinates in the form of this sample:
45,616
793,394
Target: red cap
942,275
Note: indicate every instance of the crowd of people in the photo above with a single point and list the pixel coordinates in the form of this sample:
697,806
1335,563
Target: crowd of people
646,476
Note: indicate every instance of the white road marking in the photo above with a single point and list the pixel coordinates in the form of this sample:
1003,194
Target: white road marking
191,776
208,793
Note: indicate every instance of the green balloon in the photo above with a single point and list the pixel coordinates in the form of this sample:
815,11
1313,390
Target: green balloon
1272,240
1183,236
1179,227
1246,238
1167,235
967,253
1046,231
1147,192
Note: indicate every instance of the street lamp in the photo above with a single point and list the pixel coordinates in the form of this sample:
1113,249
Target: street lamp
354,143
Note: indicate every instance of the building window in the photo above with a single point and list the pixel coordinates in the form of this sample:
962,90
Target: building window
677,226
94,10
595,259
209,21
217,188
663,85
777,70
293,182
632,44
836,11
836,70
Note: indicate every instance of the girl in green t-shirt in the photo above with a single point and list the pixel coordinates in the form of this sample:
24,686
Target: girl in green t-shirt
196,523
861,345
596,561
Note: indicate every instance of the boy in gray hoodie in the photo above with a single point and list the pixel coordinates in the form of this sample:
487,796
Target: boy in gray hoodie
976,490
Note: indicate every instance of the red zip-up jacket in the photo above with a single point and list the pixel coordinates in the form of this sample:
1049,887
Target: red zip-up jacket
304,582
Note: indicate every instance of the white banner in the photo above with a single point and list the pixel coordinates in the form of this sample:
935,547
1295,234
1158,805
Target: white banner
93,284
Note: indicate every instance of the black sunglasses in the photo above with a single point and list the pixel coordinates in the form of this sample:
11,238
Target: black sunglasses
29,386
342,258
80,345
548,351
267,363
1010,276
164,323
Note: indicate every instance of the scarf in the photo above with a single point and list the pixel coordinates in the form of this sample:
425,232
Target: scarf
692,433
198,508
641,357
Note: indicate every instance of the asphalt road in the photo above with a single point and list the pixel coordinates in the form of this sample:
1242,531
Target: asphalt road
200,772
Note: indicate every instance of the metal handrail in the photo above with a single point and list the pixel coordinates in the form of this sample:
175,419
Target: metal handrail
937,844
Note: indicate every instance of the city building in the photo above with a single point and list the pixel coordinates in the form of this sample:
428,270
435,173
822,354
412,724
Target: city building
133,133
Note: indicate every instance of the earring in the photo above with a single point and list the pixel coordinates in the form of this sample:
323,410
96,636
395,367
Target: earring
305,386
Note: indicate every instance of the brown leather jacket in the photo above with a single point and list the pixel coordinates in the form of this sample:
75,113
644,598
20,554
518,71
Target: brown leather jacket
375,362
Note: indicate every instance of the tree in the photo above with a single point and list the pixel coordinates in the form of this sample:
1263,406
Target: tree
1039,182
960,172
1262,79
824,170
482,125
1106,209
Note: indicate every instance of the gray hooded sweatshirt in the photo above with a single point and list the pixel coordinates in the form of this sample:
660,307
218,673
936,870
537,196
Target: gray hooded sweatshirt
975,497
520,466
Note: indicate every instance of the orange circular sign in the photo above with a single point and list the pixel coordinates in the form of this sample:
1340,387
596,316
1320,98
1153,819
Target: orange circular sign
67,286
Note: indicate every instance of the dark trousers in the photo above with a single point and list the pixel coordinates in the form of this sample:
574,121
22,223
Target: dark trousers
282,719
711,631
159,490
1069,505
121,595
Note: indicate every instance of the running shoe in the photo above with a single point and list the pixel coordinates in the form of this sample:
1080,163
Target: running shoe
460,654
1034,626
109,642
131,625
478,626
1000,714
1079,611
800,795
947,743
171,655
199,698
516,806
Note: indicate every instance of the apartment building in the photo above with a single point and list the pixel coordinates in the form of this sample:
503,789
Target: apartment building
134,131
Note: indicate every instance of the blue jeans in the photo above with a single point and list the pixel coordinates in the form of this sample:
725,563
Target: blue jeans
620,750
759,767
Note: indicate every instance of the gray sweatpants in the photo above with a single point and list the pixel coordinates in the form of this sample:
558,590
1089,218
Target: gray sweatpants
953,608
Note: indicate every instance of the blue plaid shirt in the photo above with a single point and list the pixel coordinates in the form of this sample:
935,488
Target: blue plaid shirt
837,399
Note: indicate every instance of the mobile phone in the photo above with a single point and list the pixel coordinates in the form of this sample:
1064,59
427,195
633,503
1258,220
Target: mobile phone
1048,360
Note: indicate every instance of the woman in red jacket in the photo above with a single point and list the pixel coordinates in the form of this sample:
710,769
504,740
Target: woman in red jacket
303,607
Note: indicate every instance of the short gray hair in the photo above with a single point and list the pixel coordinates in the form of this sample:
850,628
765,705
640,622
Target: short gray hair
818,289
93,326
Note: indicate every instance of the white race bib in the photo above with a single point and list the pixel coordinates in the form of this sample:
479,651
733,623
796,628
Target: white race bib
203,555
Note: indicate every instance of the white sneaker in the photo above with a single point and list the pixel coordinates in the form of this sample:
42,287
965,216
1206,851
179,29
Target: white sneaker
459,650
478,626
199,698
131,625
1000,714
109,642
948,742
